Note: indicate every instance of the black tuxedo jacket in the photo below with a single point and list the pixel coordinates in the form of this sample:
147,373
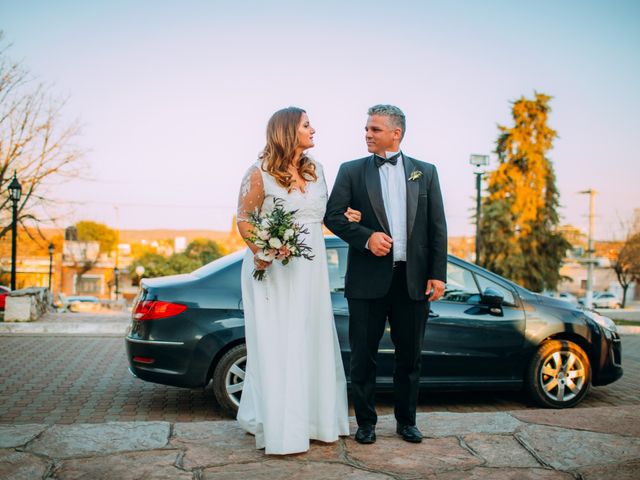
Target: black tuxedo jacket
358,186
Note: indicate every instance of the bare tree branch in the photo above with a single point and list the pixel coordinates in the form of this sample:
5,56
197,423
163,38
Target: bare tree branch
34,142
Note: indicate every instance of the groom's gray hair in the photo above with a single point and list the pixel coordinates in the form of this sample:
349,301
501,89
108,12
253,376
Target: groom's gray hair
395,115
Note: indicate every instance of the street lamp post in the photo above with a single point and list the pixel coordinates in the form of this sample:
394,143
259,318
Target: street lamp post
116,274
52,249
15,192
590,251
478,161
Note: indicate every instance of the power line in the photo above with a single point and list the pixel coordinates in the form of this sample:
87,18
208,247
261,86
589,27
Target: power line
145,205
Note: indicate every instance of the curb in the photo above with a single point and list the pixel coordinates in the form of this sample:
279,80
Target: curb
628,329
67,328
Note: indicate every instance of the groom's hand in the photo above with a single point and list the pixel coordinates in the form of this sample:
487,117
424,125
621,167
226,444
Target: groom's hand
380,244
435,290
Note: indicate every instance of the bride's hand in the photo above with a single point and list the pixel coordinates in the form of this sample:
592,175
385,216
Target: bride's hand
353,215
260,264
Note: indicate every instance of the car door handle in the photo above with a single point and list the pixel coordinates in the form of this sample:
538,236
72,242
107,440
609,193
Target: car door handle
433,314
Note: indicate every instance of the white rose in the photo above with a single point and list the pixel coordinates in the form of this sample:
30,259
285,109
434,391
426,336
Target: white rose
262,255
263,234
260,243
275,243
288,234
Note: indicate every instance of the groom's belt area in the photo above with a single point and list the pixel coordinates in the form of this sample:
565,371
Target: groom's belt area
399,264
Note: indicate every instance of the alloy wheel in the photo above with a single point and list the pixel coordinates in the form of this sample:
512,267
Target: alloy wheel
562,376
234,380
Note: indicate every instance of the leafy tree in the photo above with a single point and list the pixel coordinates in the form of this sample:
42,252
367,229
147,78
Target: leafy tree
181,263
626,264
198,253
203,250
35,143
89,231
155,265
519,220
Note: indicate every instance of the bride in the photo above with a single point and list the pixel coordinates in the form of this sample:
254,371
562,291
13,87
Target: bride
294,387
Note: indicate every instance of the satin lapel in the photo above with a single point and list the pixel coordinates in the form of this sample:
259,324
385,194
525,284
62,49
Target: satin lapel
372,179
413,189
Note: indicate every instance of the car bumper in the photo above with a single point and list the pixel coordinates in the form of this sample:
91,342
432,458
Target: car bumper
610,364
168,363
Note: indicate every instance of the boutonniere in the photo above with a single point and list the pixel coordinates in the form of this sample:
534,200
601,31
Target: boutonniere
415,175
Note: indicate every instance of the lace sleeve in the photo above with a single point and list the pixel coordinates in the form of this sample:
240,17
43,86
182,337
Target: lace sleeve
251,194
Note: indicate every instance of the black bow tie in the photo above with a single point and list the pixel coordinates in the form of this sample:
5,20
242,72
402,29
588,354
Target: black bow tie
381,161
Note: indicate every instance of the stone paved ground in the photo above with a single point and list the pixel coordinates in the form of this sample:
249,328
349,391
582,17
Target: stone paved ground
73,379
588,444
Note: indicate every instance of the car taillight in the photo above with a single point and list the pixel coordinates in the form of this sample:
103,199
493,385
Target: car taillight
154,310
145,360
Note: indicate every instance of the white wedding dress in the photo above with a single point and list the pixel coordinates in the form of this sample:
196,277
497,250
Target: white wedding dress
294,387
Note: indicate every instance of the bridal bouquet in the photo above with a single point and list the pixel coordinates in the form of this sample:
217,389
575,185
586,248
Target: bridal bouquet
278,236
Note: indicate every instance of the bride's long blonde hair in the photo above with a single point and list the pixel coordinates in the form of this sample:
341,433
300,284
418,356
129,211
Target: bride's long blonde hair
280,150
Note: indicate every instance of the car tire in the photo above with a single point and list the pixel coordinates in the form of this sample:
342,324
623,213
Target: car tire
559,375
228,378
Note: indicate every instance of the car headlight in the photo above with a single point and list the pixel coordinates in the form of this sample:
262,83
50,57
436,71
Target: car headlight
601,320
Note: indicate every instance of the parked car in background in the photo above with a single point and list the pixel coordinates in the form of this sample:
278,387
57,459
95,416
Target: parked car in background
607,300
602,300
569,297
4,291
485,333
566,296
79,303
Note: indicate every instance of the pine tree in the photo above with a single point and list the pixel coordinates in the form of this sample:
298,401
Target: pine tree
518,227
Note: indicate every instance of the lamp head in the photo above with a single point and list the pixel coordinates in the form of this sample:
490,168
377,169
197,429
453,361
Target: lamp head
479,160
15,189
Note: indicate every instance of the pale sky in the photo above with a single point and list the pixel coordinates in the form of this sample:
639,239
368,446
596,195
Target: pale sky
174,96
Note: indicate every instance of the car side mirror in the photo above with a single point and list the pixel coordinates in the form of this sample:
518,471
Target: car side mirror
492,298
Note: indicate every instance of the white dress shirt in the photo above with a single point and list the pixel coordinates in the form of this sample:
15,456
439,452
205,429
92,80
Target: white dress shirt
394,196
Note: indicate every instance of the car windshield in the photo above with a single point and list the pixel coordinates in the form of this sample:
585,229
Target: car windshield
219,264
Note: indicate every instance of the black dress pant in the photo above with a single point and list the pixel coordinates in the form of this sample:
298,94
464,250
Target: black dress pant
367,320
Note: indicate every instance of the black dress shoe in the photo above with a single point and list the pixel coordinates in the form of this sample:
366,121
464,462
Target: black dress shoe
410,433
366,434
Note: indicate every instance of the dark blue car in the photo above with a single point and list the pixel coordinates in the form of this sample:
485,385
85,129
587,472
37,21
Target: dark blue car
485,333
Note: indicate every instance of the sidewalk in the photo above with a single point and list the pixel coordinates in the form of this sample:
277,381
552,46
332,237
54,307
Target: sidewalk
69,323
595,443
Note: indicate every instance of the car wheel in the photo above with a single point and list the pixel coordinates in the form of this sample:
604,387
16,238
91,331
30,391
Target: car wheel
559,375
228,378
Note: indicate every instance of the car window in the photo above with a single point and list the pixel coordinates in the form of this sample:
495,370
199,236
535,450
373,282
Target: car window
337,264
460,287
484,283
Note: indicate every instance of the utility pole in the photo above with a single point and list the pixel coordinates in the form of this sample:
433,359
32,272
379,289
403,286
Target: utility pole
478,203
116,270
590,250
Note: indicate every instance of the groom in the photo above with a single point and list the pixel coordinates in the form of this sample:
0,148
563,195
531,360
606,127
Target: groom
397,264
